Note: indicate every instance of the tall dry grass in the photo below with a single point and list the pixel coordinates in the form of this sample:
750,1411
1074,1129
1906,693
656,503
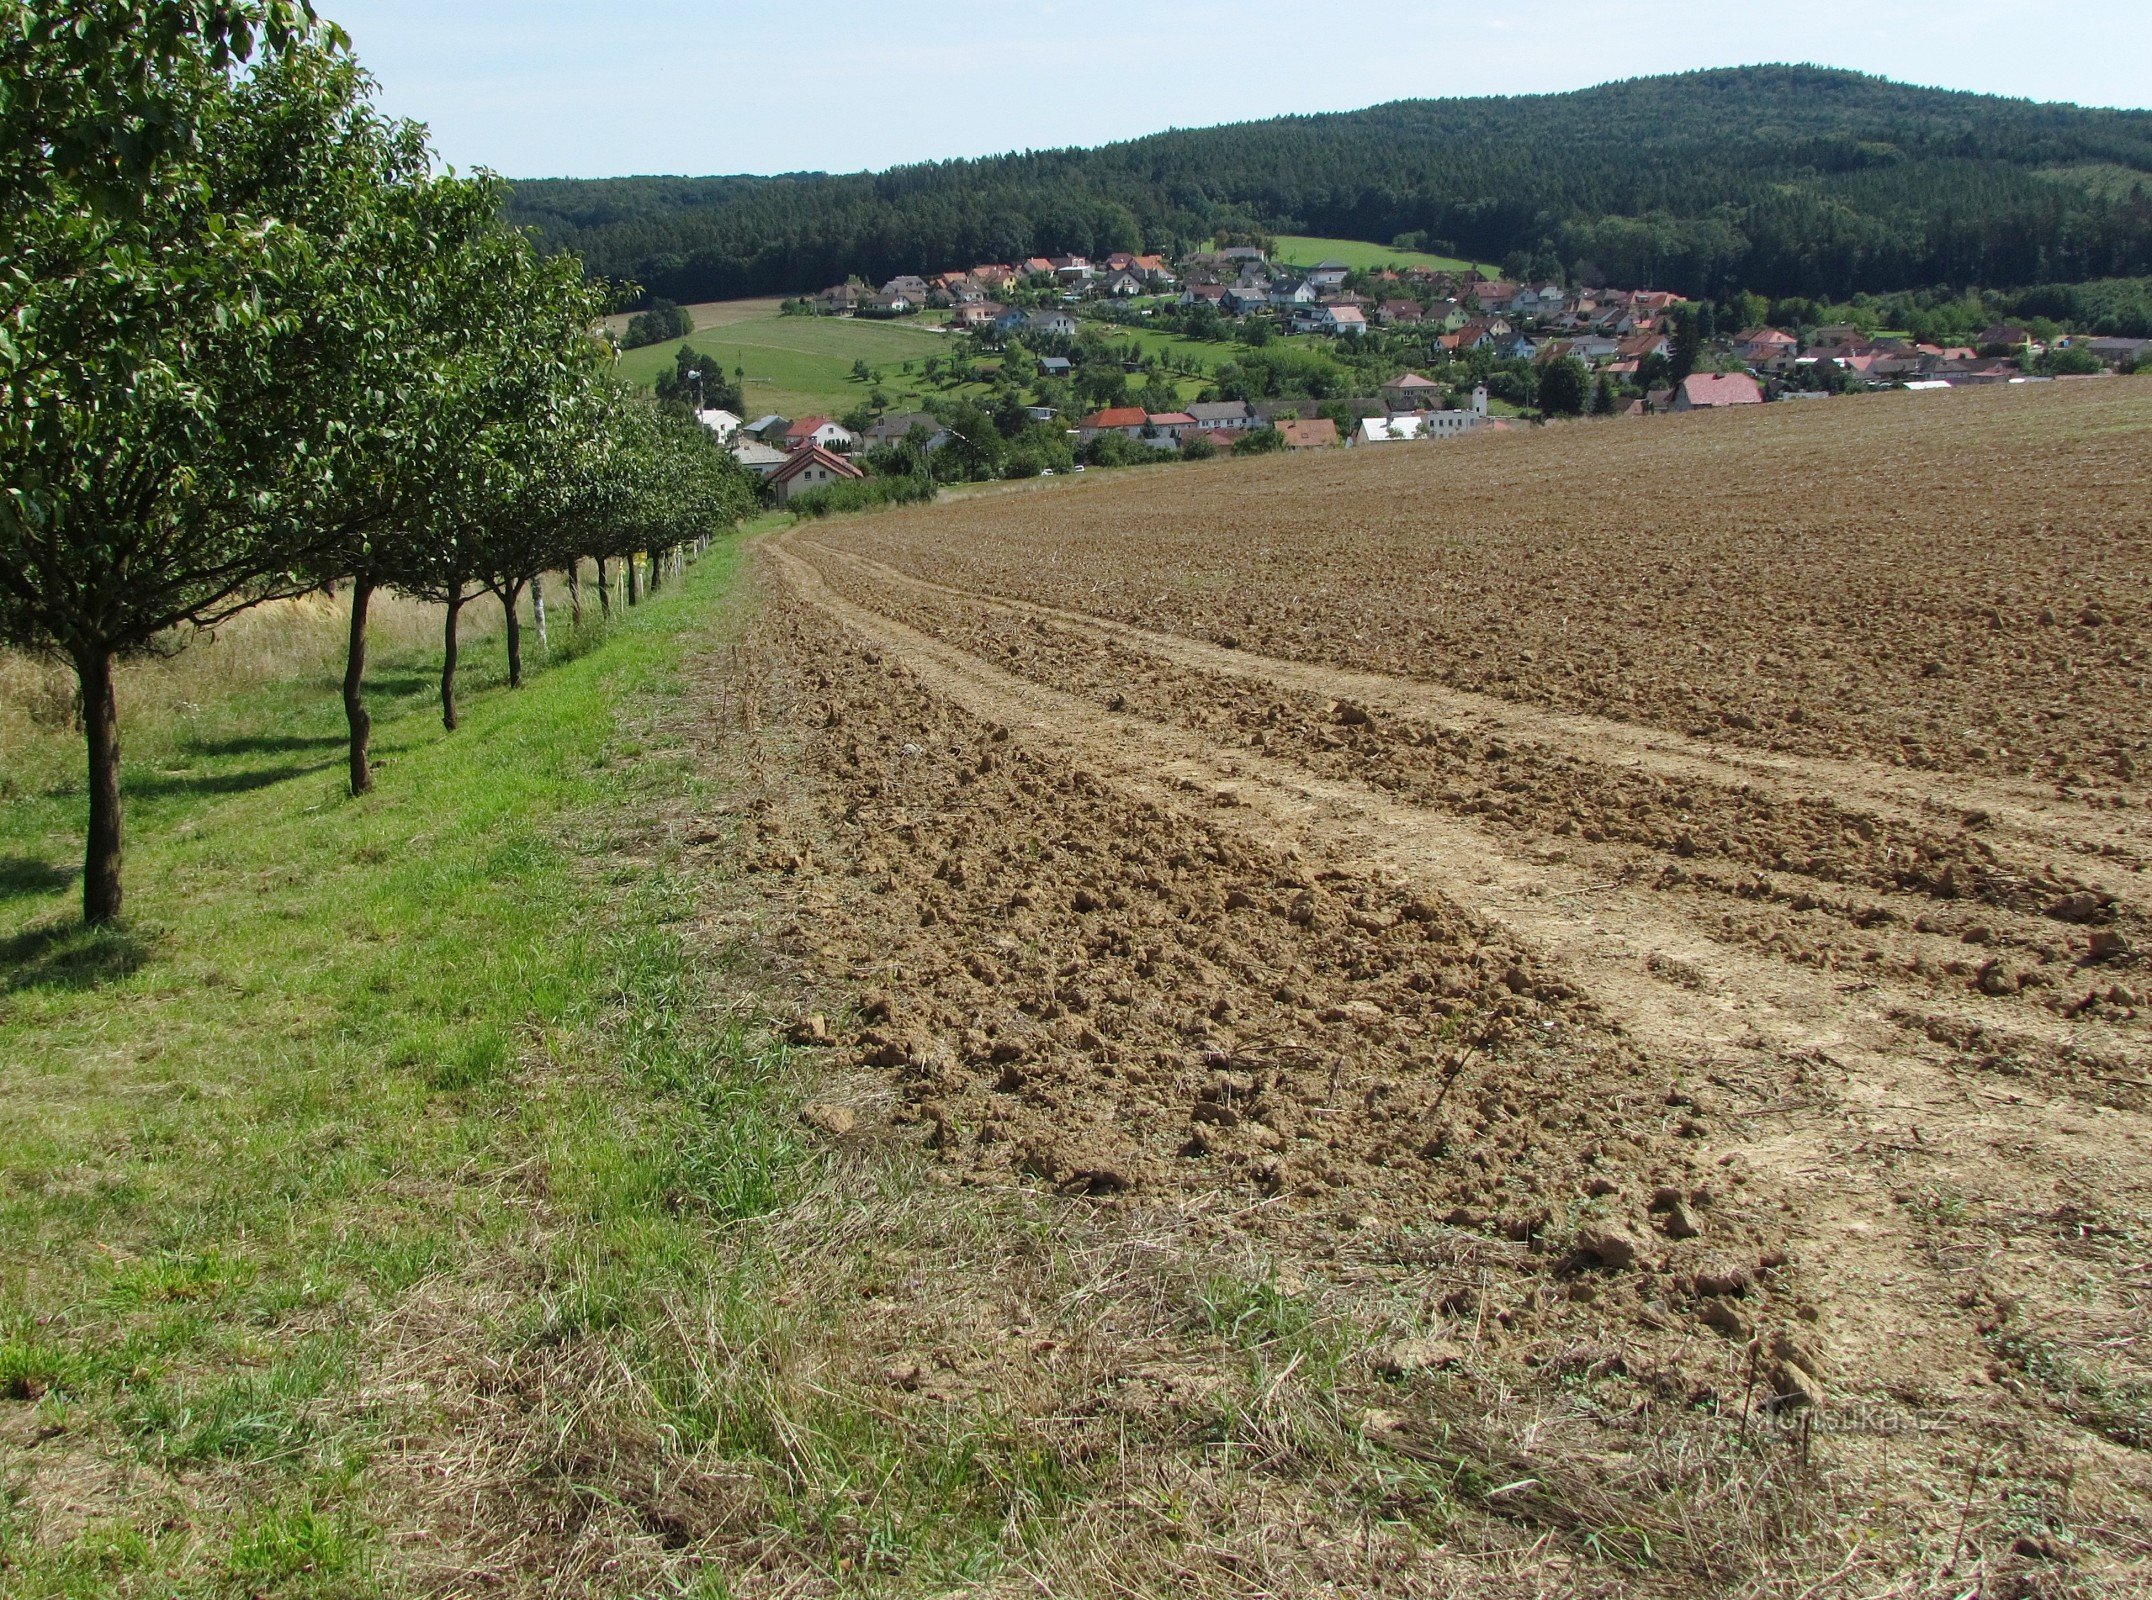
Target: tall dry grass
165,697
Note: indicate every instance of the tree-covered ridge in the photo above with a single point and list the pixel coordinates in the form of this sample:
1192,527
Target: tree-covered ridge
1788,180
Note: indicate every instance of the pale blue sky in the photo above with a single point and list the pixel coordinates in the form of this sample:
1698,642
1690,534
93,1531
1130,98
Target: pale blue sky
545,88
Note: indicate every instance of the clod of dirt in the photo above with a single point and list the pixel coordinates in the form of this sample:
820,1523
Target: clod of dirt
2082,906
1793,1389
810,1030
839,1122
2105,943
1681,1222
1729,1278
1613,1247
1408,1356
1717,1314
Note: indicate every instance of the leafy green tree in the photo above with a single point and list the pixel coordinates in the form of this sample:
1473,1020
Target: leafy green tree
2068,362
1603,401
975,448
1688,341
697,382
661,322
171,205
1563,386
1262,441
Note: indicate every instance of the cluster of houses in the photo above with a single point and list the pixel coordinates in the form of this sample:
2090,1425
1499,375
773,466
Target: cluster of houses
973,297
1883,361
1463,313
1409,408
791,456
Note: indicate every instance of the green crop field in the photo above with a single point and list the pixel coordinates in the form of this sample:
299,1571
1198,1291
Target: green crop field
797,365
1302,250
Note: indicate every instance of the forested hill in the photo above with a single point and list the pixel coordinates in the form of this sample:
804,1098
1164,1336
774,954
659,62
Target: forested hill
1786,180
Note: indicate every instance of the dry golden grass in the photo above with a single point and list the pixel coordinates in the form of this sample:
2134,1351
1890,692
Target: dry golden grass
164,696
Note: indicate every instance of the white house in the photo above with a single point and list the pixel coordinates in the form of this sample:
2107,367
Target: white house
811,468
1396,429
1231,415
1329,274
722,423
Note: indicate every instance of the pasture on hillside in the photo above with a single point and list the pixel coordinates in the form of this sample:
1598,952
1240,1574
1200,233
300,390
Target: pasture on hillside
1305,250
798,365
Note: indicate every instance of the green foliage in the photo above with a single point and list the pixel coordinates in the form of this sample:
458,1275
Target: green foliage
263,346
1838,183
2071,362
2118,306
1563,387
698,381
862,494
662,321
1118,450
1283,372
1261,441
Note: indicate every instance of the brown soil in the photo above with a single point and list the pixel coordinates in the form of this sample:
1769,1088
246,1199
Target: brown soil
1740,1065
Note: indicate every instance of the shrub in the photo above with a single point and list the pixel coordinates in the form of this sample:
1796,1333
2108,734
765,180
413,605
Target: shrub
861,494
661,322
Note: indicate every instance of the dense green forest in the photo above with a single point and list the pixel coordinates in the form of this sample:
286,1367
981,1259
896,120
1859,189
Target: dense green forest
1787,180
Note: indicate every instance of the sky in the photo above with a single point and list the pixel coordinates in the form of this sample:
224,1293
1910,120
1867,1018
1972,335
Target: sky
543,88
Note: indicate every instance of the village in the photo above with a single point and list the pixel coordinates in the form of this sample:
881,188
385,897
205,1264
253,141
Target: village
1497,354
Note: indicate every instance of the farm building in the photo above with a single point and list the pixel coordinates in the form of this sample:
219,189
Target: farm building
810,468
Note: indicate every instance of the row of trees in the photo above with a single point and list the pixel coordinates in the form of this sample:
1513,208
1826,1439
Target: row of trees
252,345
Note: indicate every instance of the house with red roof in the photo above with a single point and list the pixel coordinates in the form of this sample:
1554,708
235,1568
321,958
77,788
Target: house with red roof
1128,420
1714,391
1320,433
1412,393
1174,425
820,432
811,468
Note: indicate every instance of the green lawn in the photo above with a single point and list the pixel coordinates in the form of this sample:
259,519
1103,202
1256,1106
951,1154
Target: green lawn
797,365
1300,250
346,1065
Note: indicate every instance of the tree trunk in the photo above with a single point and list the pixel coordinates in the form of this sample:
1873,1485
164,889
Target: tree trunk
515,635
634,594
605,590
657,570
545,645
448,660
101,730
362,725
575,594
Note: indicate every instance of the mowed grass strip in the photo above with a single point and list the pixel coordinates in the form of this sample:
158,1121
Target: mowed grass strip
313,1073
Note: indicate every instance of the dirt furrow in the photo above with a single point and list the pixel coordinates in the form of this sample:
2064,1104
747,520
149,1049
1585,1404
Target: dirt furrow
2084,838
1685,998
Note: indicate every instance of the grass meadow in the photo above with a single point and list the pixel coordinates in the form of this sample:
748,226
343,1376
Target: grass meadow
797,365
1302,250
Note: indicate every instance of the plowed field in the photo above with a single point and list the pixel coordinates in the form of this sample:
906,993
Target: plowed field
1664,903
